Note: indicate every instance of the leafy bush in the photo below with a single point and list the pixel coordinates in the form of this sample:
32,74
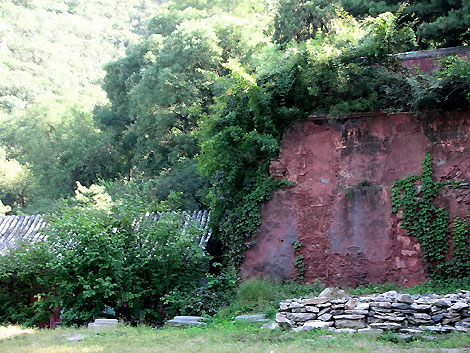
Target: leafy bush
25,272
206,299
95,258
121,259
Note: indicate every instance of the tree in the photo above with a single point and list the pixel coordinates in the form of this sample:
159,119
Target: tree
59,148
165,85
300,20
437,23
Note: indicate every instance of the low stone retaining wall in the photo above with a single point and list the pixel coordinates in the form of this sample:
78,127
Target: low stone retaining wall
388,311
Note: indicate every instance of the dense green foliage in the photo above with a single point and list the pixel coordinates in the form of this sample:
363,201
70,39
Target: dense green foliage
430,225
334,74
437,23
51,58
24,273
99,254
199,72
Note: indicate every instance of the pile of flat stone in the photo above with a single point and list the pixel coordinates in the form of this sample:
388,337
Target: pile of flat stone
411,314
186,321
103,323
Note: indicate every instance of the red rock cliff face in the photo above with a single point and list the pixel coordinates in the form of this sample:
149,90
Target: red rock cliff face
339,208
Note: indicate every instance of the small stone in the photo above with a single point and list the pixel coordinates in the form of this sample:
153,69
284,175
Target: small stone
318,324
283,320
380,310
315,301
421,307
352,324
451,314
357,312
348,317
459,306
339,300
283,306
400,311
362,306
400,306
404,298
424,300
421,316
443,303
382,298
324,311
437,318
450,321
389,317
350,304
270,325
295,305
301,316
381,305
325,317
462,328
301,328
332,292
436,310
464,322
391,293
312,309
386,326
337,306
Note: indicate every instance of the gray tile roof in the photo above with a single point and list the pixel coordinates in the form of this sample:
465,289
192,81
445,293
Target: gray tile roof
17,228
28,228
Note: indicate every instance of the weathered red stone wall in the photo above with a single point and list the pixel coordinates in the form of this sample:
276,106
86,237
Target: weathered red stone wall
339,208
426,60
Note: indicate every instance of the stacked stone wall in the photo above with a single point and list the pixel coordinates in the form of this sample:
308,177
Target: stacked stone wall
411,314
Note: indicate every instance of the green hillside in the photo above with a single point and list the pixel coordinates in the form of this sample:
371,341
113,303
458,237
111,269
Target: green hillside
51,49
52,55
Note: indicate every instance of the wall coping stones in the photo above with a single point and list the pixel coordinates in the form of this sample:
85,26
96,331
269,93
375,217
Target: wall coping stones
186,321
409,314
103,323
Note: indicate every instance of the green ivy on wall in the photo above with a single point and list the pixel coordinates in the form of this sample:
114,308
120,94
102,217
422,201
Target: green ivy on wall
299,261
413,197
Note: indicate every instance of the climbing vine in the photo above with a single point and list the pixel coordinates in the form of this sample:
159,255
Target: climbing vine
299,260
460,263
413,198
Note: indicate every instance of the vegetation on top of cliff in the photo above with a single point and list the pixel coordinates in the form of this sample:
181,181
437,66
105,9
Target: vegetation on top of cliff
437,23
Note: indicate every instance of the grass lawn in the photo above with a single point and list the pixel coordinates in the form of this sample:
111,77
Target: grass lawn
216,337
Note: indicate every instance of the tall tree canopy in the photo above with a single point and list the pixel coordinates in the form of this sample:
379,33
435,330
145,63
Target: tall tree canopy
166,84
438,23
